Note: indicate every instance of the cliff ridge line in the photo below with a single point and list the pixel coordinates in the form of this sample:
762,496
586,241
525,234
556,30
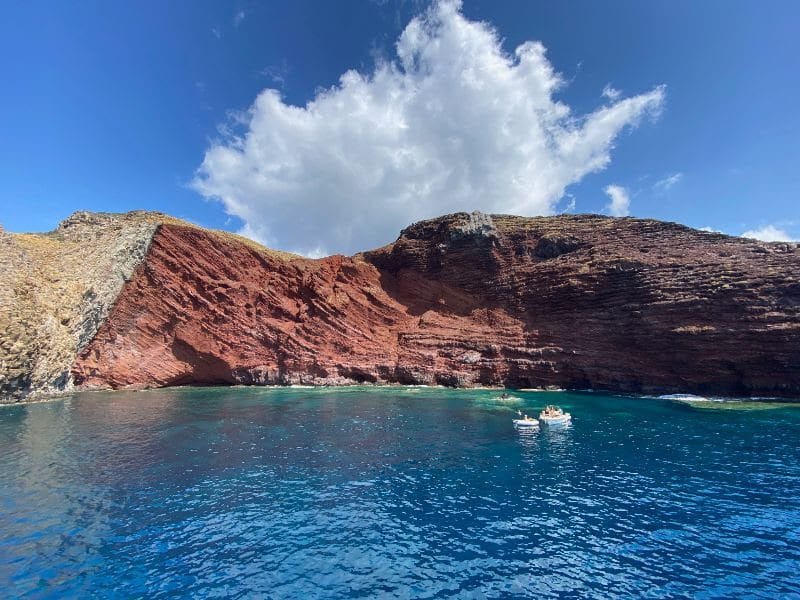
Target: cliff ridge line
573,301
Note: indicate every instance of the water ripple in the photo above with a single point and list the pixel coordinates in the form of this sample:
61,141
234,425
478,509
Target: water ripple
373,493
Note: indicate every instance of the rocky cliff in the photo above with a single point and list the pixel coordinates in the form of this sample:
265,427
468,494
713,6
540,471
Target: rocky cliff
57,288
466,299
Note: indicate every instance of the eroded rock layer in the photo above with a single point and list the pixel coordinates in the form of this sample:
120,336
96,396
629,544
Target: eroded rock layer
568,301
55,291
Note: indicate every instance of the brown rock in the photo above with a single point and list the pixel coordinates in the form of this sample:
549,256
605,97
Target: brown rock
569,301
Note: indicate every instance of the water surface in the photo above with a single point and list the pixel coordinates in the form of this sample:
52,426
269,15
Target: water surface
395,492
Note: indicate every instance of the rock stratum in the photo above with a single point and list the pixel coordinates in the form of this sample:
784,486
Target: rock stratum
572,301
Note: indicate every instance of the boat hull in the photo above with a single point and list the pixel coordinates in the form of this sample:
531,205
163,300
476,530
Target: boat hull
560,421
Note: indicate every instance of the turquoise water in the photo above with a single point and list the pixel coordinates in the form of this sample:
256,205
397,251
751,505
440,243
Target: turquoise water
397,492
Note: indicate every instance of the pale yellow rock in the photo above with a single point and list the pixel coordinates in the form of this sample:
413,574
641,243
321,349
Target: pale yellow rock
57,288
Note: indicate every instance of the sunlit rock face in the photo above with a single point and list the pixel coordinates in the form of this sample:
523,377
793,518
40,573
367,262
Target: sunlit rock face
57,288
466,299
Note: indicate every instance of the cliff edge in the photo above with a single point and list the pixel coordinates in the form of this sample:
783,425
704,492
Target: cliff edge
574,301
55,291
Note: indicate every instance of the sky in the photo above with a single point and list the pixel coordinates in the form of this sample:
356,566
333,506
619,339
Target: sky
327,127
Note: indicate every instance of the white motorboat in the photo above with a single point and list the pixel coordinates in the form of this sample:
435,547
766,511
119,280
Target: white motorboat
553,415
526,421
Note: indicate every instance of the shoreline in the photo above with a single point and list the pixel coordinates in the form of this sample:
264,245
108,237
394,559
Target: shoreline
686,397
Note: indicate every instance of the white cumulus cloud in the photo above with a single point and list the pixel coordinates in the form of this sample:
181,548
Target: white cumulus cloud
768,233
452,123
620,201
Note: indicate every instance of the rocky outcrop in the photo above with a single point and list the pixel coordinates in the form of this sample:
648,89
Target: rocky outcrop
467,299
620,304
55,291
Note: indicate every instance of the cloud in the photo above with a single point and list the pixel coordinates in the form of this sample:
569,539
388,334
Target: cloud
238,18
570,206
662,185
276,73
768,233
620,201
452,123
610,93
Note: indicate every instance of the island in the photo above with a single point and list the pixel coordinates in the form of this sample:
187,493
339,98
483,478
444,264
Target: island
141,299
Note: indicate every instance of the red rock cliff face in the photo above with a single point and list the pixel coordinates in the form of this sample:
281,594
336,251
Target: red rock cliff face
569,301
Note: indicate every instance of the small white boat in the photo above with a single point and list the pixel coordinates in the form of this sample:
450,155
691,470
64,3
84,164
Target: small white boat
552,415
525,421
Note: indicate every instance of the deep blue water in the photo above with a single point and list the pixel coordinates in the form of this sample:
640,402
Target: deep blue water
407,493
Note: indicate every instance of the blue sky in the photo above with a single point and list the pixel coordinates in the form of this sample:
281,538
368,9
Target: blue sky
117,106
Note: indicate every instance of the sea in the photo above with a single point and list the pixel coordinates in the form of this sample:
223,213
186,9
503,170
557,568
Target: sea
397,492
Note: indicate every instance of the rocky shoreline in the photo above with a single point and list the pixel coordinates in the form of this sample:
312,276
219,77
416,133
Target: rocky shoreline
573,301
